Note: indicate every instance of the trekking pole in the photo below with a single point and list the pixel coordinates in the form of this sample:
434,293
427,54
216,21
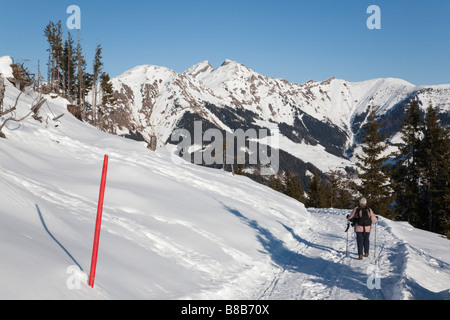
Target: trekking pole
346,246
375,251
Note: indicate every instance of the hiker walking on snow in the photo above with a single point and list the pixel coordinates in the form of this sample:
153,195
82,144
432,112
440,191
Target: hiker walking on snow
363,217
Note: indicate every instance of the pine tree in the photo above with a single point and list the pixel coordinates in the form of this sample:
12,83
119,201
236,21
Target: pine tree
53,33
316,192
288,183
58,53
339,195
239,169
49,33
407,174
331,191
107,98
435,160
373,172
81,64
69,65
98,64
445,217
107,90
275,183
293,186
84,80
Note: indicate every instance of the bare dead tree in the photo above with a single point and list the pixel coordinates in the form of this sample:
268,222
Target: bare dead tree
12,109
36,106
2,92
21,78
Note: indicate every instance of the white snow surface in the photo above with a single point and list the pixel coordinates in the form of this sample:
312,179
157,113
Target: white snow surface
173,230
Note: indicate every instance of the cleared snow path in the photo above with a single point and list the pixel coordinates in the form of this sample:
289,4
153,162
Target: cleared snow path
318,268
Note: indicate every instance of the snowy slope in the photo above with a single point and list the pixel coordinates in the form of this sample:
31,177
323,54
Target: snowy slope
174,230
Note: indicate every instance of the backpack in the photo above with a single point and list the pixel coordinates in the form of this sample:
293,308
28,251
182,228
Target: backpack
363,217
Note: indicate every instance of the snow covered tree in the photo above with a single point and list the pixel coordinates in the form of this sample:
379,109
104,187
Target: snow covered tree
373,170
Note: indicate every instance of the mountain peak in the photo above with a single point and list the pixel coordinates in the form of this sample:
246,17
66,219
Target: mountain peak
227,62
232,63
144,73
199,70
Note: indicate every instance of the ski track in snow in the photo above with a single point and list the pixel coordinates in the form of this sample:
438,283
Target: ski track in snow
312,270
320,269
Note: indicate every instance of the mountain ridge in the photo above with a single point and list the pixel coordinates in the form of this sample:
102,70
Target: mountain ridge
325,113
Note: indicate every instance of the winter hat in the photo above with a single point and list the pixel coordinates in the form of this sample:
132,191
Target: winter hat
363,202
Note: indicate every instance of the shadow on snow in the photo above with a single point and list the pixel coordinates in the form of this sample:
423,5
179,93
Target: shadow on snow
54,239
323,271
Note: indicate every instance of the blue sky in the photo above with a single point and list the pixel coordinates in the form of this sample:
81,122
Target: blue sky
291,39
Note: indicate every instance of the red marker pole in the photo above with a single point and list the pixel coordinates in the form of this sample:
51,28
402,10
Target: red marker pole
98,223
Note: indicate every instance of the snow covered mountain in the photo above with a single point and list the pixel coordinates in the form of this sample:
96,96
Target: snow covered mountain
318,121
179,231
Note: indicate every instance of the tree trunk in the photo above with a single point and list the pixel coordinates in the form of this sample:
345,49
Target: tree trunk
2,92
94,101
81,105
